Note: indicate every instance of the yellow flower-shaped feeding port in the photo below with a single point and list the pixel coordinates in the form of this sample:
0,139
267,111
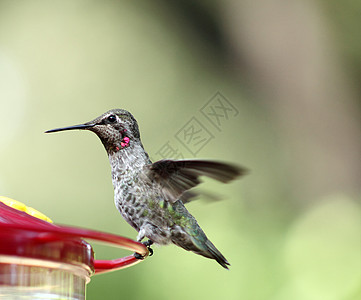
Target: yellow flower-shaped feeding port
22,207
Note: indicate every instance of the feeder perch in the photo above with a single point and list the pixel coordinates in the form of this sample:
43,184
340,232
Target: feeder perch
42,260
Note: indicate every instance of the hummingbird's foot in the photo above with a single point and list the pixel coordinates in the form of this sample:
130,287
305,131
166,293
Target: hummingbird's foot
147,244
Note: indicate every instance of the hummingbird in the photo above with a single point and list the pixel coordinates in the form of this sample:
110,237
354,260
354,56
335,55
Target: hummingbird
150,196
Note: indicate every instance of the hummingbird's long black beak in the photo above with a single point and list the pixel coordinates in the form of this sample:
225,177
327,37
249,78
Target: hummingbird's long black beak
81,126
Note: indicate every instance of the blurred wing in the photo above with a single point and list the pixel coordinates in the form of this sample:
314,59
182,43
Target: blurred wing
189,196
177,176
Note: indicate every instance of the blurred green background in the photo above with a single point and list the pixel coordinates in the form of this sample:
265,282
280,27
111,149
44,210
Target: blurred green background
290,229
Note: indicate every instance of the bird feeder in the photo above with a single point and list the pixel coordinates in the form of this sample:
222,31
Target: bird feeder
42,260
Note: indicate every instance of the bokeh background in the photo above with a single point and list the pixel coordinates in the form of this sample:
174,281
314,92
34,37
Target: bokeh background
291,71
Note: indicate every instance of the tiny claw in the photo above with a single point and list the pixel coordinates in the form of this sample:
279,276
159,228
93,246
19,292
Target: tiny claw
150,251
138,256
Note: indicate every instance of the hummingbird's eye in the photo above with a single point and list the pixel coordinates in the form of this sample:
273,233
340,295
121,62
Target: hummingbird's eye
112,118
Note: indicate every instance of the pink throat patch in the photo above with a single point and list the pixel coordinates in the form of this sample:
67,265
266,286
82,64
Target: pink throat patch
125,142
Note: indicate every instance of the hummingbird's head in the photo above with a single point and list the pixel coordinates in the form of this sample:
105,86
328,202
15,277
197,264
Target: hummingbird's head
117,129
